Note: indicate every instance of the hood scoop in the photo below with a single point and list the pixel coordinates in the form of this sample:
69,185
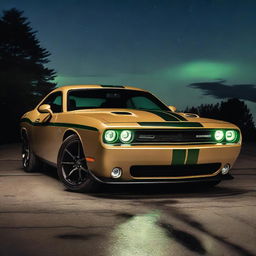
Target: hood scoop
121,113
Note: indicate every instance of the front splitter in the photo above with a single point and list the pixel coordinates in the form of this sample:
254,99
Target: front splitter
218,177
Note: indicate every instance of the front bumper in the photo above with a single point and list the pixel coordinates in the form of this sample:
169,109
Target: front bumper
127,156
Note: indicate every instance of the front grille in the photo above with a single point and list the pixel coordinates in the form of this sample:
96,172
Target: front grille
174,170
174,136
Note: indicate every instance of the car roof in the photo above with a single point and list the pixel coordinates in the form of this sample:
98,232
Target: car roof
95,86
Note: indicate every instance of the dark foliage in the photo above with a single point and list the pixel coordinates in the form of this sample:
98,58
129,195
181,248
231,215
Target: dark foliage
23,75
234,111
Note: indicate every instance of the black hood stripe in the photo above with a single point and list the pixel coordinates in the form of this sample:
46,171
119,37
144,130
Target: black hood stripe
164,115
168,116
178,116
171,124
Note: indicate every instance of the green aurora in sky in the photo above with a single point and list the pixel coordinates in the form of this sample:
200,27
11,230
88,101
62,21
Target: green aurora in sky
191,71
205,70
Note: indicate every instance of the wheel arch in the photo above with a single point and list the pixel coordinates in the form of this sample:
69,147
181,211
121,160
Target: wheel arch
70,132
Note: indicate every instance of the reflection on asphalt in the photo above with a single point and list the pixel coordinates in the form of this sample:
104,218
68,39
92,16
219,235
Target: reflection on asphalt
146,234
140,235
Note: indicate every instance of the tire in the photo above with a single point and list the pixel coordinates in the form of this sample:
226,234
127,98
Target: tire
30,162
72,167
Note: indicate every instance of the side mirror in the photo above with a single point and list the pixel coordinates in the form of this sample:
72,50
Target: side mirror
172,108
45,108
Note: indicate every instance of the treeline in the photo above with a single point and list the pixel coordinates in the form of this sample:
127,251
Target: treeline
234,111
24,77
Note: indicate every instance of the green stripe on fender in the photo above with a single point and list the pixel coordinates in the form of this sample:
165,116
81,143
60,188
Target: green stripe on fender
75,126
79,126
171,124
192,157
178,156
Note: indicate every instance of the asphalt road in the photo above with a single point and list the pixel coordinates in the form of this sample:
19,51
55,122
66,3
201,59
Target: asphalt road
39,217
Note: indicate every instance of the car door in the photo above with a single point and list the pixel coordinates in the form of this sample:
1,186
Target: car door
45,131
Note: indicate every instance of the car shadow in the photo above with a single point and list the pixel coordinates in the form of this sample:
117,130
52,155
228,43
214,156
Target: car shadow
149,191
144,191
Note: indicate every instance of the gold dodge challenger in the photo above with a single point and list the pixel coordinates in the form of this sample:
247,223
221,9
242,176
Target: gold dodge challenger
123,135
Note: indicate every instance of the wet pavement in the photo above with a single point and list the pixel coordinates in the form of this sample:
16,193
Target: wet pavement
39,217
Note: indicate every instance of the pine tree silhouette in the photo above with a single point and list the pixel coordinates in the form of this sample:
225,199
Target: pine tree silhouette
23,74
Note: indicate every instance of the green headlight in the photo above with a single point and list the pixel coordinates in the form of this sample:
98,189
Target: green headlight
231,135
126,136
219,135
110,136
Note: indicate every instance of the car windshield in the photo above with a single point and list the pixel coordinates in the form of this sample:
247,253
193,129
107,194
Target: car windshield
113,98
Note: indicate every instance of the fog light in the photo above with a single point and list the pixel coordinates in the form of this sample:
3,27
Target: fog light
225,169
116,173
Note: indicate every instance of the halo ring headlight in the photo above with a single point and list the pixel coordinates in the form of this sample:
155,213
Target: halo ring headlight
219,135
110,136
126,136
230,135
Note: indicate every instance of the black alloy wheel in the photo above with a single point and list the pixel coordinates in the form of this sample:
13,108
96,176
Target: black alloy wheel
72,167
30,162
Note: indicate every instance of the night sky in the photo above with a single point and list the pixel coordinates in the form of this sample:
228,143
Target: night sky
159,45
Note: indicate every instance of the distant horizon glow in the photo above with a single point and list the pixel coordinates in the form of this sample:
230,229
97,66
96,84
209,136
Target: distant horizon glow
205,70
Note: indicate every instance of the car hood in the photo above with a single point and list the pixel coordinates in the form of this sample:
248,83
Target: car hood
147,117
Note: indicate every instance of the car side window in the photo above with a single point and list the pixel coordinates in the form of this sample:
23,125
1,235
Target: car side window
55,101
